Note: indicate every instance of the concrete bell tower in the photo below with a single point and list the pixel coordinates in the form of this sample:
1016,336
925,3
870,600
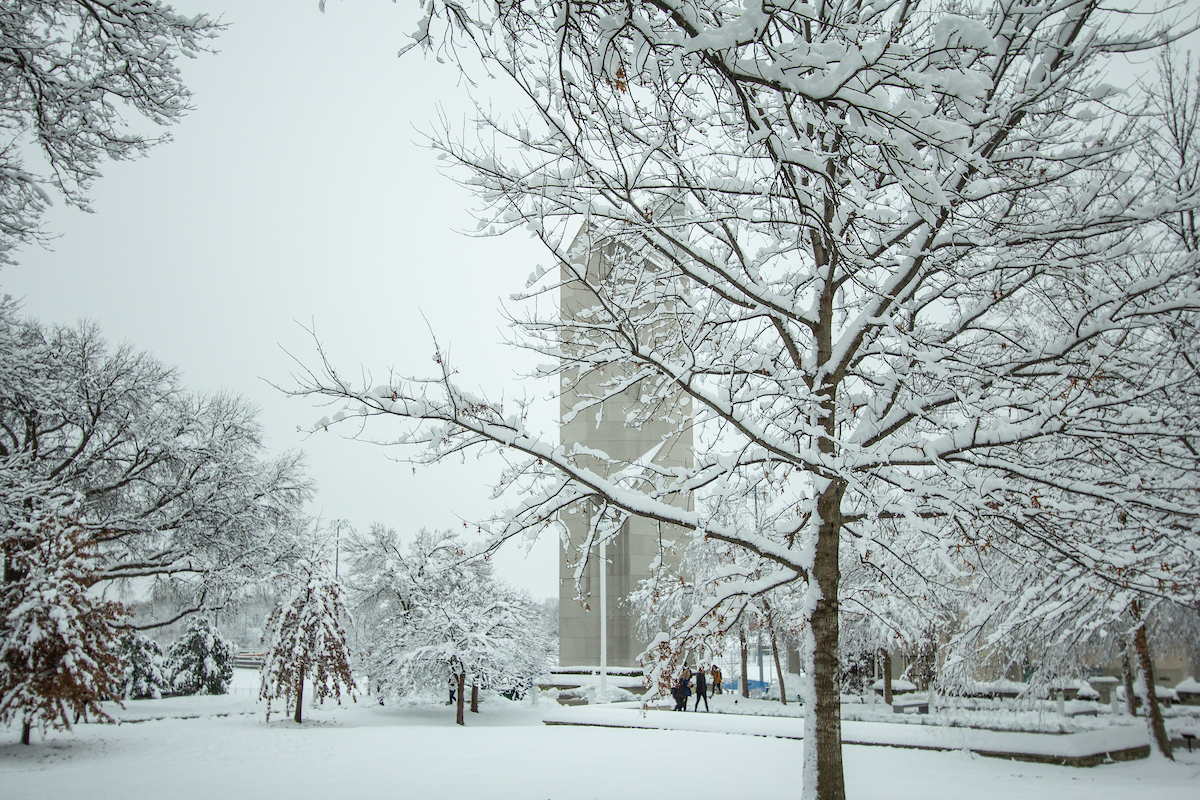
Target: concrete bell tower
632,435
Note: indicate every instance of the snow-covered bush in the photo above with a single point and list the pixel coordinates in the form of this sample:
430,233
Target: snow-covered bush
145,667
201,662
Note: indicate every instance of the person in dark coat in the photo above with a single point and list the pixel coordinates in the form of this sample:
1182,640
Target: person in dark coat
701,690
683,690
677,691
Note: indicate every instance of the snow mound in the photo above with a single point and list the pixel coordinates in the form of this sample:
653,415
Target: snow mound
897,686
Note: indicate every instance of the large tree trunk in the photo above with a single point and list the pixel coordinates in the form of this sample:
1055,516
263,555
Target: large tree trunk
462,680
26,727
474,698
823,727
1127,680
1154,720
887,676
299,695
745,665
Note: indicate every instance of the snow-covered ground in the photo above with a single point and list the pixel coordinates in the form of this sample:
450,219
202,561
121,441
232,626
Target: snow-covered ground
365,751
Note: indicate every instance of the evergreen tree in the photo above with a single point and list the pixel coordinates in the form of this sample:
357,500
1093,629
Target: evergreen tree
201,662
145,667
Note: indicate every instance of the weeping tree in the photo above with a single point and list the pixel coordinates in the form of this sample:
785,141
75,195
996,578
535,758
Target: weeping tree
432,612
879,256
306,637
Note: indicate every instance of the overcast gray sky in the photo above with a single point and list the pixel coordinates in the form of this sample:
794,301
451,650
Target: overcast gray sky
298,190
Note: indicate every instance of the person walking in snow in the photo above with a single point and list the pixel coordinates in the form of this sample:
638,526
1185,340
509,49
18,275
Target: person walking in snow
677,693
716,680
701,690
683,689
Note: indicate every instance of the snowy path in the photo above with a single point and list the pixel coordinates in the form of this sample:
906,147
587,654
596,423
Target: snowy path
1068,746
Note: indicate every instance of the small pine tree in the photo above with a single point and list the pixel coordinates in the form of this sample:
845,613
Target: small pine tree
145,667
201,662
57,658
305,637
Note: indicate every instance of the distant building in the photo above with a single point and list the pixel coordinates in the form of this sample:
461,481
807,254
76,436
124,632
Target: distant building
663,437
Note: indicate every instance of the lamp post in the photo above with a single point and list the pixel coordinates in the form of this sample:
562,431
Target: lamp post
603,622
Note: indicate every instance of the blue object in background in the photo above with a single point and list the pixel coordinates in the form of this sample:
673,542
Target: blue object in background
759,686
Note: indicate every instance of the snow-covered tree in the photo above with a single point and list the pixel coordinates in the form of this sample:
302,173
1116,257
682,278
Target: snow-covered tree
433,613
174,484
70,72
200,661
58,639
306,639
899,259
145,667
1126,550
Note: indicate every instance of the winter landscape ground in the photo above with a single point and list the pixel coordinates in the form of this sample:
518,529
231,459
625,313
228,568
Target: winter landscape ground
367,751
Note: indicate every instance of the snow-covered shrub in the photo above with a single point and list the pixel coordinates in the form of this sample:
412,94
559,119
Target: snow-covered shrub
201,662
145,667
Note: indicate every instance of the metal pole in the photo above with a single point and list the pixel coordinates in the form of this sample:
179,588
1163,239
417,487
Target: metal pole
337,548
761,679
603,622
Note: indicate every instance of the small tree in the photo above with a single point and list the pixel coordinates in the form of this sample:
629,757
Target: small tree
305,636
201,662
56,637
435,614
145,667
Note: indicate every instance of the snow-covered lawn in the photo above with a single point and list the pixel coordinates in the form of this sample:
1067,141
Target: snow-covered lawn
366,751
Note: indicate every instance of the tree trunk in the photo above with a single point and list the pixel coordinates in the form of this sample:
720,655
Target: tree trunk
26,727
887,676
1154,720
299,694
745,666
462,680
474,698
823,727
1127,679
778,670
